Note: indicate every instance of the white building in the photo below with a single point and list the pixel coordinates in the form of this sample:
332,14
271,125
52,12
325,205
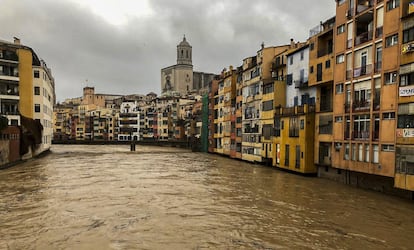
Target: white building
297,92
129,125
44,99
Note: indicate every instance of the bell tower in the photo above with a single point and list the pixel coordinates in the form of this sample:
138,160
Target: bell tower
184,53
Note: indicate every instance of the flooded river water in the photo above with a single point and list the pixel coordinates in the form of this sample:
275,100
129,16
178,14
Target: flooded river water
105,197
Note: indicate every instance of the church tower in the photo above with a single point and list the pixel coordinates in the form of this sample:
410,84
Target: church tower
184,53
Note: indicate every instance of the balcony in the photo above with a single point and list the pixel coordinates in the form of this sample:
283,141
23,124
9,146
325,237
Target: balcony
349,43
364,5
347,135
325,106
363,38
361,105
378,32
360,135
362,71
376,104
325,129
301,84
375,135
347,107
124,115
378,67
325,51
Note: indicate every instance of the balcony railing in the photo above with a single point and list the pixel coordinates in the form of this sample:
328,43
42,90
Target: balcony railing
325,106
324,52
301,84
325,129
362,71
360,135
347,107
364,5
378,67
349,43
347,135
362,38
376,105
378,32
361,105
375,135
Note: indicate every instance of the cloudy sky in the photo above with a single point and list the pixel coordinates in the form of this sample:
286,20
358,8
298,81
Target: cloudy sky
120,46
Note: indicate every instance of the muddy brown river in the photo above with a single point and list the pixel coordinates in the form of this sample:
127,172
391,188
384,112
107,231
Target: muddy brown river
105,197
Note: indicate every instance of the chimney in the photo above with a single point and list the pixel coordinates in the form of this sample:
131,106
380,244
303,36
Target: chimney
16,40
292,43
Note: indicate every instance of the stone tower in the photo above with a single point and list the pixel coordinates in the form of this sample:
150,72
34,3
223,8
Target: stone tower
184,53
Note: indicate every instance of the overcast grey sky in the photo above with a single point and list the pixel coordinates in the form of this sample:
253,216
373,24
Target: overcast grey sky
120,46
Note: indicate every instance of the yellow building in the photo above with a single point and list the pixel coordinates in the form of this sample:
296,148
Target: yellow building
27,89
294,118
295,148
269,99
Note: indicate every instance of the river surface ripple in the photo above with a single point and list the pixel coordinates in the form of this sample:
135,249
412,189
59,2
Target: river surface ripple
105,197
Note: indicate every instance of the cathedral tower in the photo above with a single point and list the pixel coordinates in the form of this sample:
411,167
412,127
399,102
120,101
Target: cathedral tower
184,53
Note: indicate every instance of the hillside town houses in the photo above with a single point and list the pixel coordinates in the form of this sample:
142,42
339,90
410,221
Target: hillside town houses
339,105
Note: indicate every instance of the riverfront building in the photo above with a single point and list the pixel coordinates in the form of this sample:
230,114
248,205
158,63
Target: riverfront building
404,171
27,94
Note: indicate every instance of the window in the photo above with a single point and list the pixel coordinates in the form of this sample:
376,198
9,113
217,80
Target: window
367,152
293,127
405,121
302,124
388,116
340,58
311,69
361,127
289,79
37,108
407,79
391,40
340,29
328,64
311,46
408,35
346,154
354,152
339,88
291,60
360,152
390,77
36,74
268,105
302,55
387,147
297,160
392,4
37,90
375,150
268,88
286,155
341,2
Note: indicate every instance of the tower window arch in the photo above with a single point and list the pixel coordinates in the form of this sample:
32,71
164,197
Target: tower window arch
187,53
182,52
